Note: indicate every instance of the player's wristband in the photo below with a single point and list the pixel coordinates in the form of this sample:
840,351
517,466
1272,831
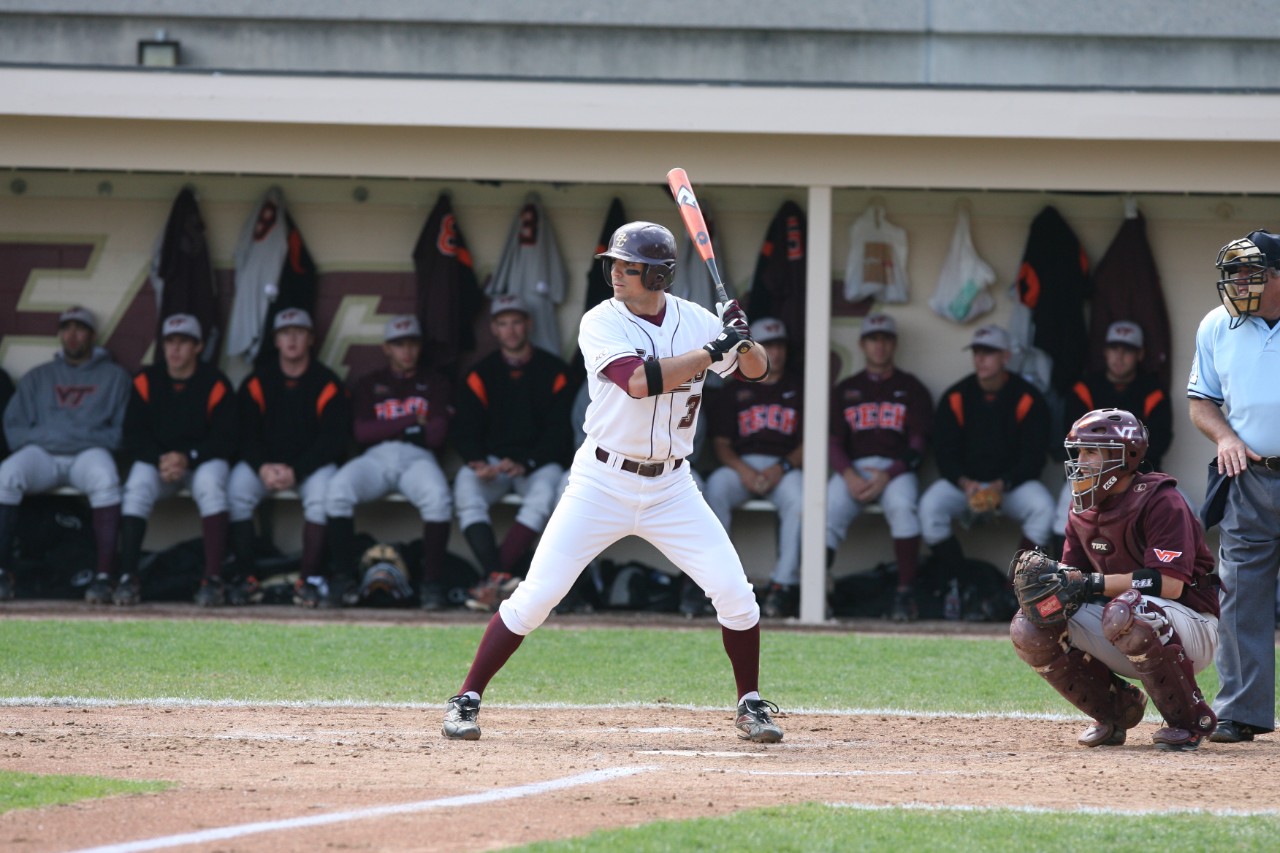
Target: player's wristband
1148,581
1097,581
653,375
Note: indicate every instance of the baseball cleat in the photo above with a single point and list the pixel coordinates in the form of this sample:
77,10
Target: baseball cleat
212,593
754,722
904,606
782,600
128,591
1177,740
486,596
1102,734
99,591
460,718
6,586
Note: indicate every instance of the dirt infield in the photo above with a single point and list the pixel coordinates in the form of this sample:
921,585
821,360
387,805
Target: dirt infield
287,768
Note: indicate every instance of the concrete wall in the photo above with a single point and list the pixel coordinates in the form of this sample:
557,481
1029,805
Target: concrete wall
1192,44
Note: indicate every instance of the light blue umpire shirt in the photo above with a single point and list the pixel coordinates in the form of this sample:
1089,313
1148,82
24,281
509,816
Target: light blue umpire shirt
1239,369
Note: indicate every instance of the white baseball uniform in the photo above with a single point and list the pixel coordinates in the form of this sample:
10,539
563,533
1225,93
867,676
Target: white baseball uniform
629,477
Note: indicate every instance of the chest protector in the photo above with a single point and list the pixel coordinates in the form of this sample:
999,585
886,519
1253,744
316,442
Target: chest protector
1111,537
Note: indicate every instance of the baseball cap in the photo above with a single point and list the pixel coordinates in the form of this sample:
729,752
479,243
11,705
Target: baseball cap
402,326
990,336
878,323
768,329
1125,332
507,302
78,314
181,324
1269,244
292,317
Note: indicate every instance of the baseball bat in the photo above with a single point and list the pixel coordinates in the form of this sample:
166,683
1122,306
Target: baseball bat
696,224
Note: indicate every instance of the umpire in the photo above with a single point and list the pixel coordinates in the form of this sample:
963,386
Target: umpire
1235,402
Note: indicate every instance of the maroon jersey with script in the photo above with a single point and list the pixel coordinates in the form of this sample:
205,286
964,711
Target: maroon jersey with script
759,418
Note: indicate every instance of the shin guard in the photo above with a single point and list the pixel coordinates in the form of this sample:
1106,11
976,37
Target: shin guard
1139,628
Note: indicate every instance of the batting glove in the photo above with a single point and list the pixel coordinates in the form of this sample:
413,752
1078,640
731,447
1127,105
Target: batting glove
729,338
731,314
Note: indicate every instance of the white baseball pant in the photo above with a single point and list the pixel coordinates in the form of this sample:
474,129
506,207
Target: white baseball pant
601,505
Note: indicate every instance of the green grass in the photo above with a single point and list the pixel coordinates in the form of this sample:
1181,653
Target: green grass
215,660
31,791
811,828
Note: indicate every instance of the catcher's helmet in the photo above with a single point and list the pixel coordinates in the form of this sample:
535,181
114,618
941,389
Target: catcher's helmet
384,577
1244,264
1120,440
643,243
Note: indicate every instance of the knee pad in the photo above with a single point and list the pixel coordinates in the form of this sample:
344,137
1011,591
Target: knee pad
1036,645
1140,630
1084,681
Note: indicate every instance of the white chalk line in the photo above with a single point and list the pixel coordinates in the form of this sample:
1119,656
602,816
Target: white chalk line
491,796
837,773
353,704
705,753
1038,810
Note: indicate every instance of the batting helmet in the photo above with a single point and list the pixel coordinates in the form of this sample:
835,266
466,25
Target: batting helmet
1116,443
643,243
1244,264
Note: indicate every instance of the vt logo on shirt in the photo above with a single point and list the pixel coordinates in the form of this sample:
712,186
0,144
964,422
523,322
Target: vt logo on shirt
72,396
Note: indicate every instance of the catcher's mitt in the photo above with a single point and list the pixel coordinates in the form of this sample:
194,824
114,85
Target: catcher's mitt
984,500
1048,592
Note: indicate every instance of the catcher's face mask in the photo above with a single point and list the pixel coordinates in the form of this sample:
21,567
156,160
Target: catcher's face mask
1094,469
1244,269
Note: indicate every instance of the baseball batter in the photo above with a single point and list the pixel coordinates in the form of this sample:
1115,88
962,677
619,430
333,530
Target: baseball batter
647,355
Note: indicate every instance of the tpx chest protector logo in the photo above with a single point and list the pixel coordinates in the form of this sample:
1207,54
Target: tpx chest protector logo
1101,546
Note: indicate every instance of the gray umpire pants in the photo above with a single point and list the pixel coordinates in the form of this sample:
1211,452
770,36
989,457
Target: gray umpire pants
1248,560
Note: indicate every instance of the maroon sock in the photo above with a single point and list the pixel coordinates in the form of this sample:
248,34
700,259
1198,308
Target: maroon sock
515,545
106,530
435,539
907,553
497,645
743,648
214,527
312,550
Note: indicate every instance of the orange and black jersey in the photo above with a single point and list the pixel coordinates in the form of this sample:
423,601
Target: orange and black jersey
302,422
988,437
1143,397
195,416
515,412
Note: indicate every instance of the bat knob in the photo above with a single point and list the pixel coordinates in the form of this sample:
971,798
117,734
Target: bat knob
743,346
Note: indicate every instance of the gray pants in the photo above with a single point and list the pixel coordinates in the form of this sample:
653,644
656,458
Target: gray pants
1248,560
898,500
1197,631
31,470
246,490
725,491
1029,504
473,496
393,466
208,484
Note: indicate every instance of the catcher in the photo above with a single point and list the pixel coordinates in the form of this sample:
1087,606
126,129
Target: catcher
1145,605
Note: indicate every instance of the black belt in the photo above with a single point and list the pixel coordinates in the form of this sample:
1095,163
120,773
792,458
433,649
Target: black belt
643,469
1271,463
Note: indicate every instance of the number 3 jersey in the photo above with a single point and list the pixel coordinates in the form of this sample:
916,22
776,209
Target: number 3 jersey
646,428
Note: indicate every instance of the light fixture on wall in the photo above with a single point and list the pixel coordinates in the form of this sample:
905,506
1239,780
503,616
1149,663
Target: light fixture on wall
160,52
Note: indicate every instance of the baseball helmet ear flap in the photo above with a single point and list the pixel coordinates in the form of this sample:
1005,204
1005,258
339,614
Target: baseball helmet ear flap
659,276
